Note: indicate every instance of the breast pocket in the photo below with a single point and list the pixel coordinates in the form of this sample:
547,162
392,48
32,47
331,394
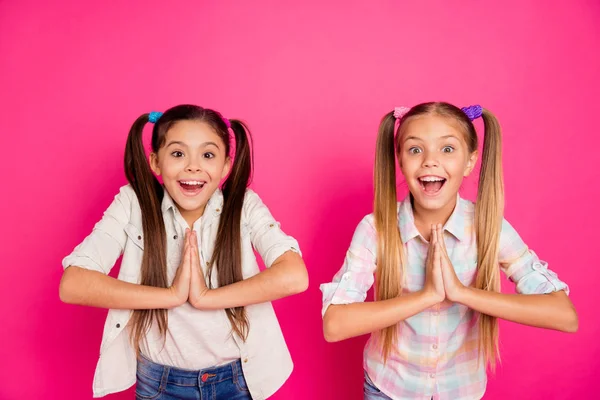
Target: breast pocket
134,235
132,254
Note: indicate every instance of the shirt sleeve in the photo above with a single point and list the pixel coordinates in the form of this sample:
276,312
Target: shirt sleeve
523,267
352,282
100,250
265,232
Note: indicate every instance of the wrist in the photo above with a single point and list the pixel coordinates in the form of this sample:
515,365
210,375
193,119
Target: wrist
430,297
201,299
172,298
462,295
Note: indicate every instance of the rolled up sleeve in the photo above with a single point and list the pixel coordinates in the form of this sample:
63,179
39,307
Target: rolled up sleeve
523,267
100,250
265,232
352,282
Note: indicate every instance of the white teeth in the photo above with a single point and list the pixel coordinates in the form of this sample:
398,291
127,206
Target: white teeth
431,179
197,183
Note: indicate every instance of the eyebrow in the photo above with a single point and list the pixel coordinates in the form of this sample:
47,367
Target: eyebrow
449,137
205,144
443,137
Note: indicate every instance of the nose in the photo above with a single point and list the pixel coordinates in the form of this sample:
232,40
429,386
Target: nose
193,166
430,160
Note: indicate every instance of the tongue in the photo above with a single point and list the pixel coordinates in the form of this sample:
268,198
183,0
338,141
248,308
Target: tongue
432,187
190,188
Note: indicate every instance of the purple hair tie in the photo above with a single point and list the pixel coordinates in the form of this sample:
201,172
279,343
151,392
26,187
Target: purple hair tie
473,112
399,112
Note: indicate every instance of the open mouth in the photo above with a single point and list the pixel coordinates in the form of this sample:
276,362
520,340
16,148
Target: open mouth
191,187
431,184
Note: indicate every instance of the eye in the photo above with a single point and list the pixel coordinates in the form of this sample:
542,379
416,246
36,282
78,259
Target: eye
447,149
208,155
177,154
414,150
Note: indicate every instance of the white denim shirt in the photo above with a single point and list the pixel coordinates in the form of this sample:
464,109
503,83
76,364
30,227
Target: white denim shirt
266,361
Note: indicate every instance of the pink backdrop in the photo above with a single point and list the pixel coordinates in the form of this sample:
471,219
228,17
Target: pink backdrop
312,80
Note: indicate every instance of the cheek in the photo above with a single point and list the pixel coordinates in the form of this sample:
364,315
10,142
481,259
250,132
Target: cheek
170,168
408,164
458,165
215,169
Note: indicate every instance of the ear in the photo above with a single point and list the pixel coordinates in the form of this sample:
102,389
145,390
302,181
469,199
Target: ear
154,163
226,168
471,163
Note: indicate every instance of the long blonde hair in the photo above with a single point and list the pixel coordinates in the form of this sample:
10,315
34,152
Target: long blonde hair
489,210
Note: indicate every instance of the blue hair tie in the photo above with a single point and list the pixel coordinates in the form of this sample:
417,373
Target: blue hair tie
473,112
154,116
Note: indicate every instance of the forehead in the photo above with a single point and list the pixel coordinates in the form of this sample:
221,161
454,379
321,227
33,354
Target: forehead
192,132
431,127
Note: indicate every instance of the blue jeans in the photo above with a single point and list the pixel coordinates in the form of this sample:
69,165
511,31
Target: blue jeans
371,392
155,381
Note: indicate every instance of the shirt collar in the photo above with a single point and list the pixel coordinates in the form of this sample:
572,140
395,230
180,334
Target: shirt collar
406,220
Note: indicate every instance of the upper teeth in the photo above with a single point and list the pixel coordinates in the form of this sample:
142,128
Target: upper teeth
431,179
192,182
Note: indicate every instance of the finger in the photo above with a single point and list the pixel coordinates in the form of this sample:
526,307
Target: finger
440,237
188,252
431,242
182,271
435,244
444,248
437,259
195,255
186,240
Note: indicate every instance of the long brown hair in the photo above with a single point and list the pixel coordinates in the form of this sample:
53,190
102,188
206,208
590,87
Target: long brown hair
227,256
489,210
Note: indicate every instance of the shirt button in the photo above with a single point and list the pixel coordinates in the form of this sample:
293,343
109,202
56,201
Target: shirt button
245,360
434,347
175,237
118,325
139,238
432,376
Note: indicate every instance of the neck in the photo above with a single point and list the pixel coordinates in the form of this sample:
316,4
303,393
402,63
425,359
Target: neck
424,218
191,216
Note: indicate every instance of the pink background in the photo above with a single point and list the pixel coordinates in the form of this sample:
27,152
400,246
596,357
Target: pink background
313,81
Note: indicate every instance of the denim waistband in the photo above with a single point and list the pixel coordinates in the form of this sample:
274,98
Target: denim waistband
185,377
